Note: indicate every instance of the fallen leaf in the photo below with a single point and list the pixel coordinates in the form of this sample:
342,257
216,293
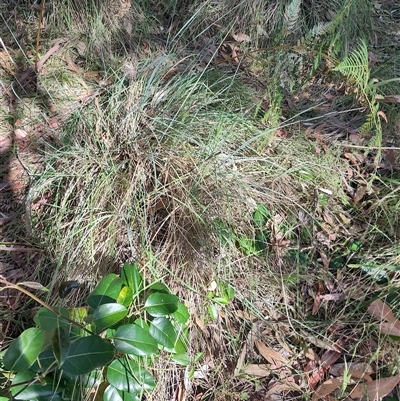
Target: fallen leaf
20,134
310,354
338,369
241,37
360,192
381,311
315,378
5,144
390,328
278,388
389,99
273,357
326,388
329,358
376,389
240,361
257,370
332,297
382,114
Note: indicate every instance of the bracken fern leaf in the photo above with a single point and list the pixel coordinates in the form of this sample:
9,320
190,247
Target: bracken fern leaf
355,66
292,14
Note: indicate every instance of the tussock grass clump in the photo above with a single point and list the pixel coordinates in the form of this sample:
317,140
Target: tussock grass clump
165,157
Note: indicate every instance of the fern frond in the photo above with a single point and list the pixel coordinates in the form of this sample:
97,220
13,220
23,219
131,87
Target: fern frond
292,14
318,30
355,66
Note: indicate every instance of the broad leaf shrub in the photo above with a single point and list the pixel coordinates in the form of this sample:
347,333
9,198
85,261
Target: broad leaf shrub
125,325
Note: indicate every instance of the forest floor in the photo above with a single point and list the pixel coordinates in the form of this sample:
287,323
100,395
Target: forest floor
188,161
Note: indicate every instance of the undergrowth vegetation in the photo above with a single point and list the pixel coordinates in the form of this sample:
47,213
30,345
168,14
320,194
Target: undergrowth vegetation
242,155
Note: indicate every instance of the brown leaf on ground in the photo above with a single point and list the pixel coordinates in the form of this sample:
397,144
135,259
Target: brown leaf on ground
315,378
5,144
327,388
273,357
257,370
381,311
360,192
329,358
389,99
363,368
241,37
376,389
279,387
390,329
240,361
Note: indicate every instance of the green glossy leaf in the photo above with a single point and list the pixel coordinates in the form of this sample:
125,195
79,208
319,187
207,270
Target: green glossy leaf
162,330
78,314
125,297
181,315
132,339
213,312
87,354
112,394
161,304
221,300
22,390
142,323
159,287
126,375
227,292
261,215
66,287
43,362
61,342
107,291
181,359
179,347
48,320
132,278
23,351
107,315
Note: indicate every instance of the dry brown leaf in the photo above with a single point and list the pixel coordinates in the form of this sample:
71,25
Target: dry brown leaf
389,99
329,358
326,388
240,361
257,370
332,297
315,378
273,357
358,375
361,367
390,329
278,388
360,192
376,389
241,37
311,354
383,115
381,311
